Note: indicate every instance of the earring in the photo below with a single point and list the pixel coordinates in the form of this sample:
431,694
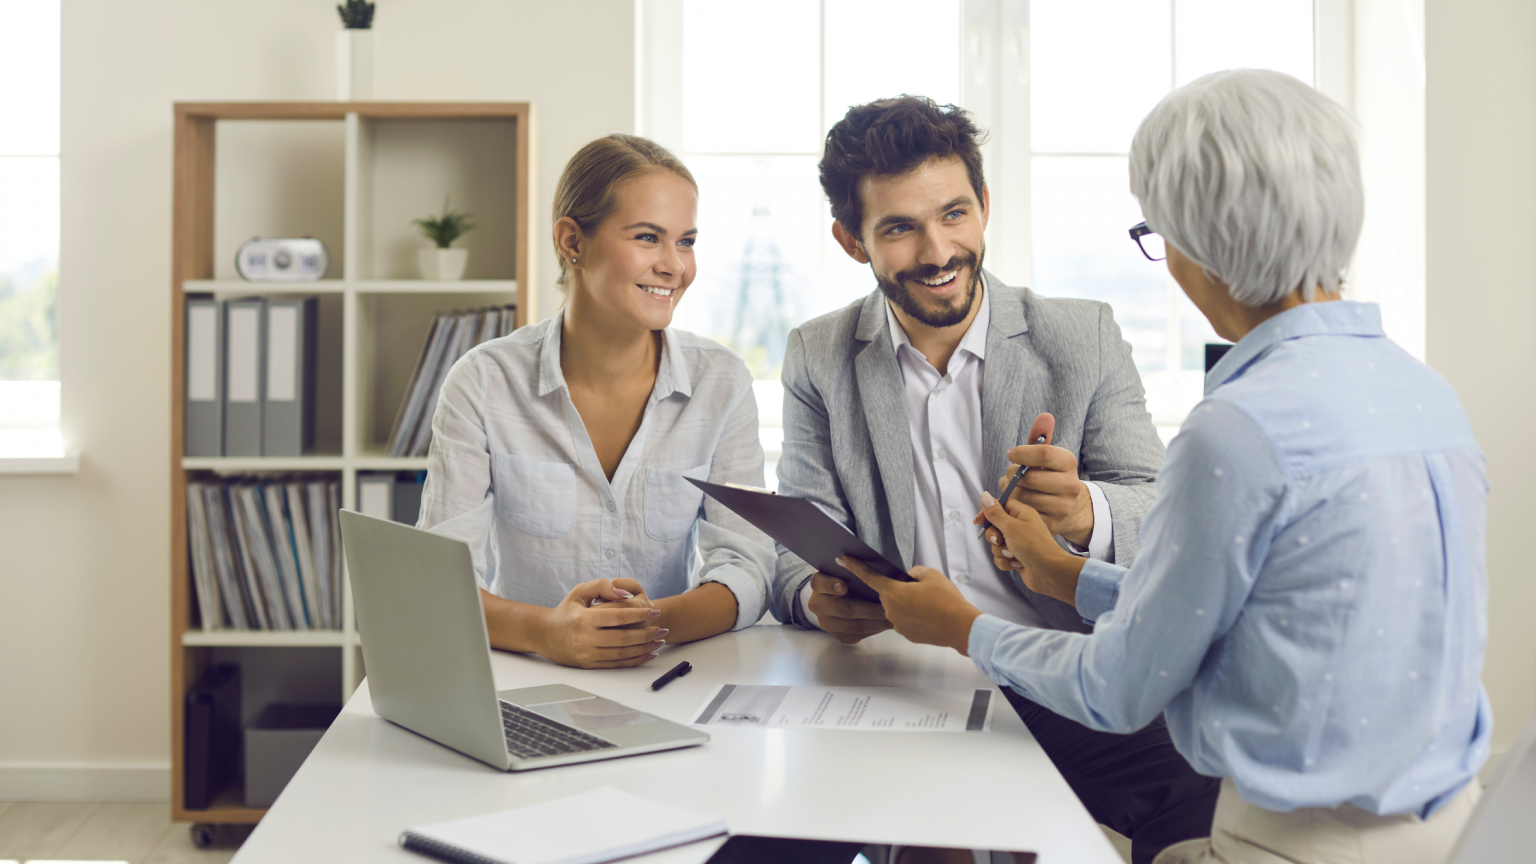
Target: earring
573,260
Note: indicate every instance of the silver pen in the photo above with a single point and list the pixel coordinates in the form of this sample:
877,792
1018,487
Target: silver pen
1012,484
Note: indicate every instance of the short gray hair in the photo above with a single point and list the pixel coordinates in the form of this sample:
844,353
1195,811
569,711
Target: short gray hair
1254,176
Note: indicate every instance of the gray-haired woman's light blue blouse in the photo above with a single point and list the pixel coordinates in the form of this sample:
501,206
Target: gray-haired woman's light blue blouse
1309,602
513,473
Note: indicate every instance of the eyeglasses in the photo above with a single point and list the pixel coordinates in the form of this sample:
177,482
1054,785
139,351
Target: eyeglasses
1150,243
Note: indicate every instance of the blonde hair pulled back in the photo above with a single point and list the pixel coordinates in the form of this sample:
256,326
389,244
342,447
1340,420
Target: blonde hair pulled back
589,187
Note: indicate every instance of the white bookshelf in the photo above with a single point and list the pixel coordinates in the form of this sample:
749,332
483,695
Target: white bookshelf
353,175
226,288
269,638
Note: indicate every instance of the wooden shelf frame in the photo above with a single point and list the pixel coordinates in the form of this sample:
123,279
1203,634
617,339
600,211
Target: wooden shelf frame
192,270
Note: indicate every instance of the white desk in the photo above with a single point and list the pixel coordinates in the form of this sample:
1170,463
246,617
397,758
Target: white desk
368,779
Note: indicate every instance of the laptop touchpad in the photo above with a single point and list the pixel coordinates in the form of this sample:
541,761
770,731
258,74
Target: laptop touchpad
592,714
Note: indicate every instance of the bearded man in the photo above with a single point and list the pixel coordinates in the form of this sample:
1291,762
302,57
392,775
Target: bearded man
901,409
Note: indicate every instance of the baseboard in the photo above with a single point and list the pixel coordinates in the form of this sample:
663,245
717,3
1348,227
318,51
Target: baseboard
85,781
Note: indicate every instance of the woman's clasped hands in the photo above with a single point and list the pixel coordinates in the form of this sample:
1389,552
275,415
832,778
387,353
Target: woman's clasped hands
602,625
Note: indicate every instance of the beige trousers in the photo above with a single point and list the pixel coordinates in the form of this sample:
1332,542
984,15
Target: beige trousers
1244,834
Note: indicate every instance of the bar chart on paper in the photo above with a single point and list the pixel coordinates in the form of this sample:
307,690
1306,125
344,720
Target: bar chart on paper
859,709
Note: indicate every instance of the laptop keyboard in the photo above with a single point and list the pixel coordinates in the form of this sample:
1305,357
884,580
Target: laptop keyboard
530,735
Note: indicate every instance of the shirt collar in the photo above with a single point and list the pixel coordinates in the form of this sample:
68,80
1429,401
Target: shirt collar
974,340
671,377
1333,318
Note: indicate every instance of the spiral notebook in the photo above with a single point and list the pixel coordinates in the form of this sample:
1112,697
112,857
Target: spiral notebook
605,824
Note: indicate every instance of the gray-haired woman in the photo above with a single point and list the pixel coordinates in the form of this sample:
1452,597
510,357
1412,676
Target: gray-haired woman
1308,606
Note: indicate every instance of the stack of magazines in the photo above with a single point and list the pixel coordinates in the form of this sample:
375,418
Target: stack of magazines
266,553
451,337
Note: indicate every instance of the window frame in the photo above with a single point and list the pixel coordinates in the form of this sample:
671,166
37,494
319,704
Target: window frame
994,86
31,433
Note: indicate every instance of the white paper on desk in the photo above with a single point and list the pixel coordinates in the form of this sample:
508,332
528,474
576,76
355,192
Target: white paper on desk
861,709
604,824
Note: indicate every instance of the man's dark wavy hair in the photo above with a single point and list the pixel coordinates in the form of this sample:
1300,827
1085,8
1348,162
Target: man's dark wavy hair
890,137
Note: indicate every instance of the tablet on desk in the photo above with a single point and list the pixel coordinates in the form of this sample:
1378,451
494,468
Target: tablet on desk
806,530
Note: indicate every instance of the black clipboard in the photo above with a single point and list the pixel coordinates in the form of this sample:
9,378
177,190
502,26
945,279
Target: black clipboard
806,530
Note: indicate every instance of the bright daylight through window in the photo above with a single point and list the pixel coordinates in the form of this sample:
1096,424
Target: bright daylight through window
29,228
749,115
1096,68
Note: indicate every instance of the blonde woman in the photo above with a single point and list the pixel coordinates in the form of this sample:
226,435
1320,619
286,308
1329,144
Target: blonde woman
560,453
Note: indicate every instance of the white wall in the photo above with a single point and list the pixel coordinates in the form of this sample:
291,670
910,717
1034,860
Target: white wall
1480,109
84,594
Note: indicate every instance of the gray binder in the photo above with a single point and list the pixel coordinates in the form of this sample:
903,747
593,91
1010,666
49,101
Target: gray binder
243,373
408,499
376,494
203,414
288,412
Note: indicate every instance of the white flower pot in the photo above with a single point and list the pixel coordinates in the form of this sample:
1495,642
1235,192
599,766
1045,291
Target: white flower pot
442,264
354,65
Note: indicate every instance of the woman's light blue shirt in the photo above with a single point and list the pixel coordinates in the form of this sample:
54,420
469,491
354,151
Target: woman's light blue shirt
513,473
1309,602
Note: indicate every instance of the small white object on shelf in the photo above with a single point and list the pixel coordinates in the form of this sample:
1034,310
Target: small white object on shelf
354,65
442,264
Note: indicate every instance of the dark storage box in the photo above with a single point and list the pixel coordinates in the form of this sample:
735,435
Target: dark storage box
211,735
276,743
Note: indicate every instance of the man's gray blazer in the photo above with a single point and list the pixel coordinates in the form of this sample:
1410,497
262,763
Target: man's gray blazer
847,445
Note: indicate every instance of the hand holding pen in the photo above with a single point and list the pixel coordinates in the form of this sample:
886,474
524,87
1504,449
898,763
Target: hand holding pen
1008,490
1039,433
1053,488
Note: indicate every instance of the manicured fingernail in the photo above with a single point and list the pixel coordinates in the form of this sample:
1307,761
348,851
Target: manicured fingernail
842,562
655,612
839,588
657,644
622,593
651,656
1007,553
662,633
987,499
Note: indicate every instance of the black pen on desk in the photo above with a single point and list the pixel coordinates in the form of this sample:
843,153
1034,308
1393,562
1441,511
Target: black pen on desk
1012,484
673,674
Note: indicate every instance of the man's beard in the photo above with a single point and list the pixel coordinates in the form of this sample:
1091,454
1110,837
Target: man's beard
897,292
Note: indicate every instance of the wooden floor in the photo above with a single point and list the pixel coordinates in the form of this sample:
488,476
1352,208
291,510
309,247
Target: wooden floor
130,833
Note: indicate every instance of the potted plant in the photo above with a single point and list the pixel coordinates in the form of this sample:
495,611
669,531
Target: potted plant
354,51
442,262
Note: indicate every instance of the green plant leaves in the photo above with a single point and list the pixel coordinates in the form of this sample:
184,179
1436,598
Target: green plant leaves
443,230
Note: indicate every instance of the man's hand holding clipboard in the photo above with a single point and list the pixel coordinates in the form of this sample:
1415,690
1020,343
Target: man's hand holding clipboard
843,605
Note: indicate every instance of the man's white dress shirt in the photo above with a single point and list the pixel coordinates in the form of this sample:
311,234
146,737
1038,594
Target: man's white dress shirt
944,419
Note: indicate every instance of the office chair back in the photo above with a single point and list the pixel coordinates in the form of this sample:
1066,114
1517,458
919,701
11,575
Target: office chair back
1500,828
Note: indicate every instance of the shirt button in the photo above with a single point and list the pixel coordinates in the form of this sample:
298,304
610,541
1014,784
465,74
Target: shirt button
608,552
612,506
942,453
939,392
962,578
954,514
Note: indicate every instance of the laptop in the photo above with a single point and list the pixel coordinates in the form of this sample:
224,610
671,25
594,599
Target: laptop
429,662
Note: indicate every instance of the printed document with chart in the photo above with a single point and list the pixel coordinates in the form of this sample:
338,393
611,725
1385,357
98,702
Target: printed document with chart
861,709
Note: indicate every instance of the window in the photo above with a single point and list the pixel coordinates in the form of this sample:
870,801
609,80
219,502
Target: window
748,116
1121,57
29,228
1060,84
